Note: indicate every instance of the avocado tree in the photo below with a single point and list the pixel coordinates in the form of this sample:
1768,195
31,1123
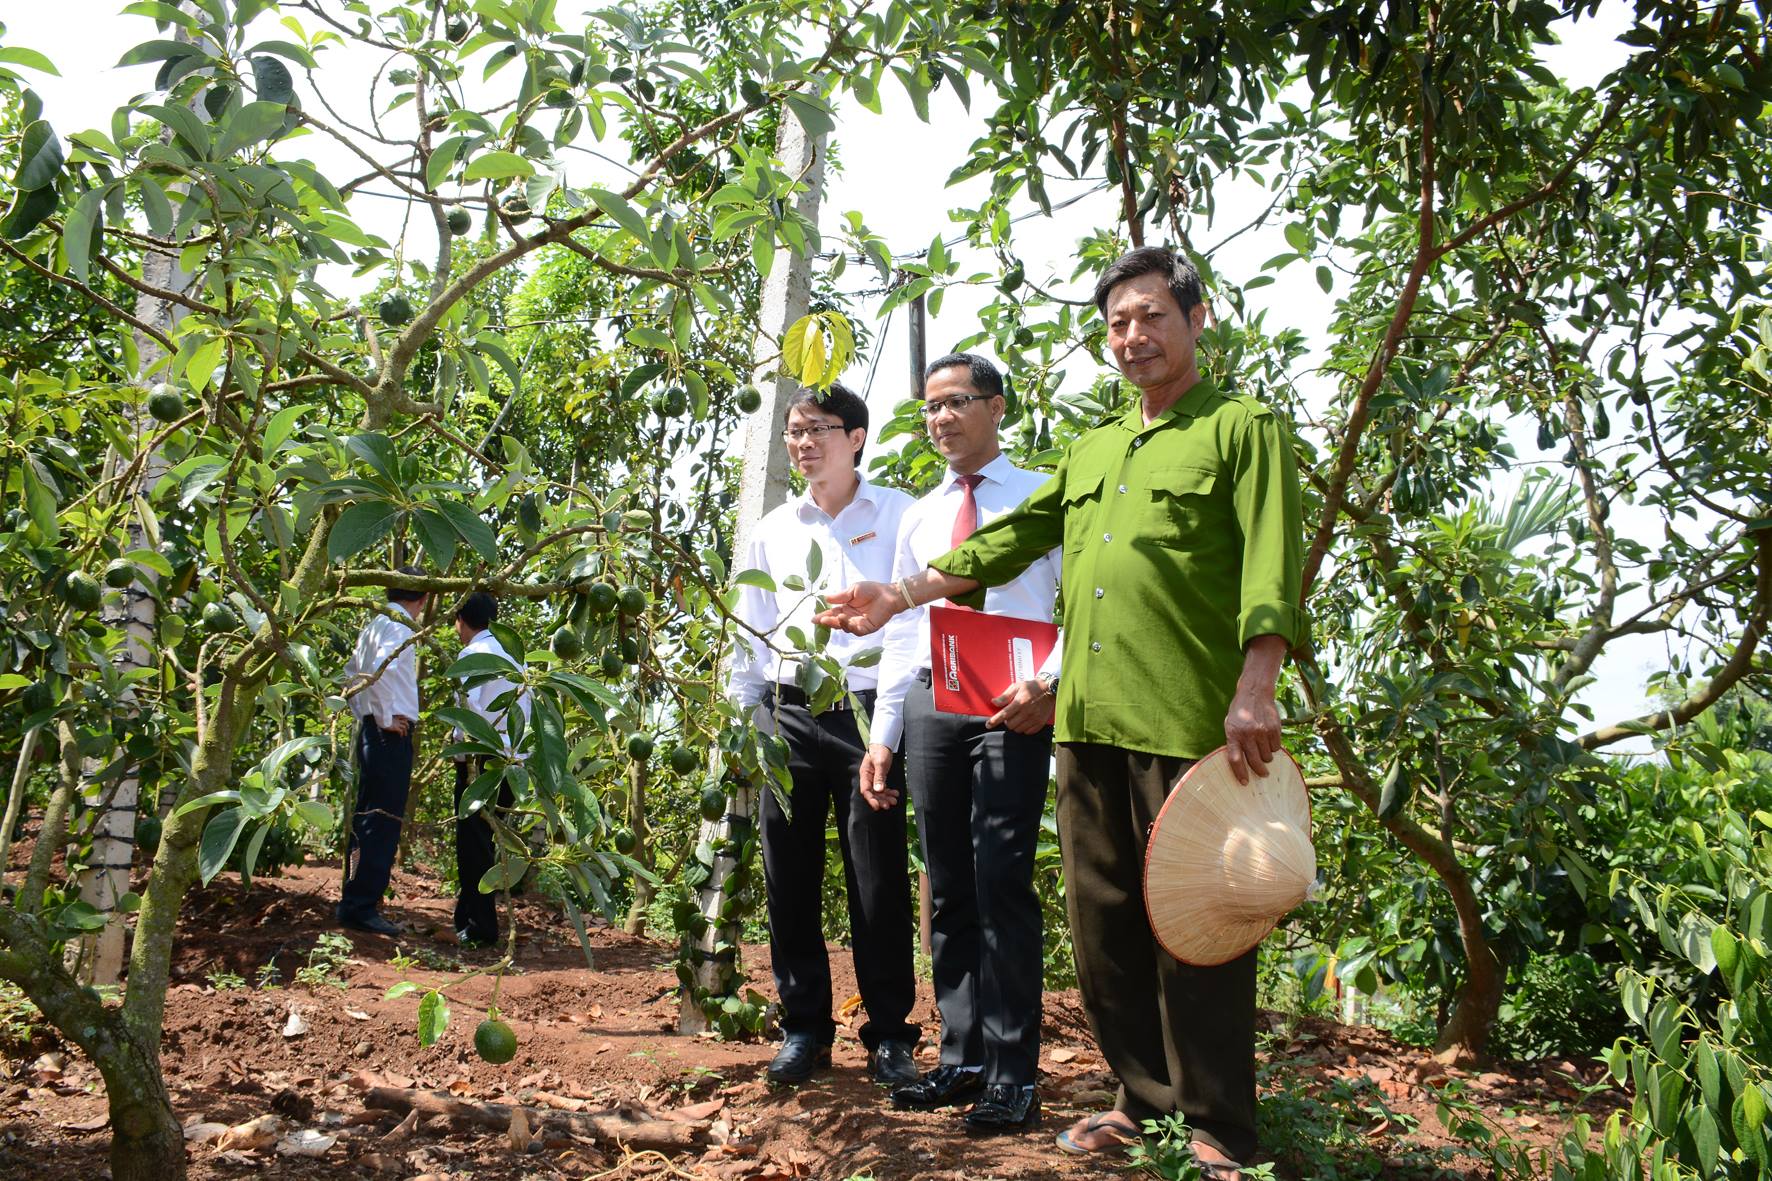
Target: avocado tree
317,432
1538,426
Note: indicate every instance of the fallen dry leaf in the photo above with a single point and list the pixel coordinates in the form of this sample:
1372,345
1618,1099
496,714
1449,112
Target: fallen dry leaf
296,1025
1527,1121
88,1125
596,1012
306,1142
459,1086
250,1136
356,1014
202,1132
49,1066
1063,1054
519,1135
696,1112
847,1010
381,1162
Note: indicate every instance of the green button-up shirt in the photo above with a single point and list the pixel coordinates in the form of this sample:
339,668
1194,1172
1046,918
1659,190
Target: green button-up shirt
1183,540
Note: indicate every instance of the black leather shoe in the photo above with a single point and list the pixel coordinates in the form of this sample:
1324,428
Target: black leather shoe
891,1063
942,1087
375,924
800,1056
1004,1107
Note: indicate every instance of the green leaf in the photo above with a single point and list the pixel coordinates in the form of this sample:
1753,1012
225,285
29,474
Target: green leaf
29,209
81,231
39,157
399,990
507,873
359,527
315,814
277,431
442,159
157,208
756,578
482,664
18,55
498,166
1398,787
219,837
436,535
433,1018
161,50
200,367
813,113
469,722
251,123
270,78
471,527
40,501
625,215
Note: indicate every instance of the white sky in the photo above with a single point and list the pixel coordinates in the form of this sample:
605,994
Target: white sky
85,38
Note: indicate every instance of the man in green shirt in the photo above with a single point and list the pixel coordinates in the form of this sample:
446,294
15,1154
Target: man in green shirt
1182,536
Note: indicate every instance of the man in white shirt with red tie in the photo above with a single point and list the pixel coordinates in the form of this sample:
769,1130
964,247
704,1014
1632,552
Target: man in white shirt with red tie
853,524
979,784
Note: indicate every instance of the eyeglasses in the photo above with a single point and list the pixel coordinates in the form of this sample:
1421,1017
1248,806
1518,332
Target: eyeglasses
795,433
957,404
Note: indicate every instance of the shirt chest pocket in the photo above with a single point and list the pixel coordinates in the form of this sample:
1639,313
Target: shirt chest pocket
1180,504
1082,497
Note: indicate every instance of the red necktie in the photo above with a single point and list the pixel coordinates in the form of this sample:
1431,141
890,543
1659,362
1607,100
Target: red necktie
966,520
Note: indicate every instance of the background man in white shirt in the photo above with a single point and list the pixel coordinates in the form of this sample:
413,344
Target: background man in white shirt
854,525
979,784
385,702
493,698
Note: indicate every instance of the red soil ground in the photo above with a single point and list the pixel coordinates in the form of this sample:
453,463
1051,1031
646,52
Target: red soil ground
609,1037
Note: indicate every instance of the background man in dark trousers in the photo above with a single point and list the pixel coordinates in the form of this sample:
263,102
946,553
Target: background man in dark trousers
476,913
385,664
854,524
979,784
1183,546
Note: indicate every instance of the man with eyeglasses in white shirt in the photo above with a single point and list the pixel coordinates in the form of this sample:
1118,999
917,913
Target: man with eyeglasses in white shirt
854,525
979,784
381,679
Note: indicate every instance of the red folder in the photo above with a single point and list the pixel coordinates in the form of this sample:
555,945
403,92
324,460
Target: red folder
974,657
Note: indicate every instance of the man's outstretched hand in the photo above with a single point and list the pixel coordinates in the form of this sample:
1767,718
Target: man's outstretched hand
861,609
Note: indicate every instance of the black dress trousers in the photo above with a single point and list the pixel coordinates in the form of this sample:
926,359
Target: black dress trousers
384,776
476,914
824,759
979,795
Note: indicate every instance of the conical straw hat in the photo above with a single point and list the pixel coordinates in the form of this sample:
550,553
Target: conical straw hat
1226,861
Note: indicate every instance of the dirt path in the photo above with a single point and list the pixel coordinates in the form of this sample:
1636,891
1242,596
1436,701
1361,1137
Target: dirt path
602,1039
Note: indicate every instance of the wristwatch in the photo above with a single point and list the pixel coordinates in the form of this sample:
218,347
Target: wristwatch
1048,682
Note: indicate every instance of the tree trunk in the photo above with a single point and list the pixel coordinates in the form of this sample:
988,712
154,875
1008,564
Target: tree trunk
1465,1037
147,1143
643,853
106,877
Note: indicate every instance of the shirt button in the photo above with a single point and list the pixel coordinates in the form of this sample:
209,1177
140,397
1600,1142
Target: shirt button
1099,592
1107,536
1138,442
1122,489
1095,647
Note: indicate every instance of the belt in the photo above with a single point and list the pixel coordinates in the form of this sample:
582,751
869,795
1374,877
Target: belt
794,695
925,676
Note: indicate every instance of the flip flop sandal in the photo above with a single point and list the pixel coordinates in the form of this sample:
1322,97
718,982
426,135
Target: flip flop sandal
1216,1170
1119,1136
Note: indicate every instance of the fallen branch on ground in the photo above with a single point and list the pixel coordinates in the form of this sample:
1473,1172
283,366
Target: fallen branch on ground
610,1127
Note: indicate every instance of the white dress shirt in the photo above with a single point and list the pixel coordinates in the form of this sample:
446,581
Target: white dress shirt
927,532
480,697
393,694
856,545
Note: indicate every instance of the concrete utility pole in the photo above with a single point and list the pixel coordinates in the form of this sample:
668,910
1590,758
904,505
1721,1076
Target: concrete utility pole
98,955
787,294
